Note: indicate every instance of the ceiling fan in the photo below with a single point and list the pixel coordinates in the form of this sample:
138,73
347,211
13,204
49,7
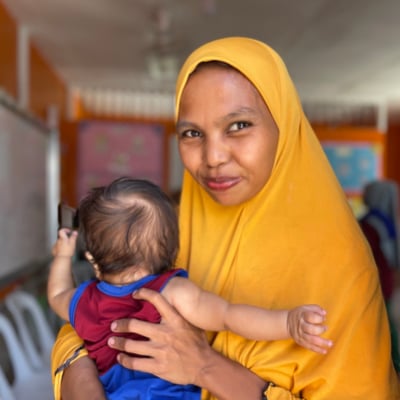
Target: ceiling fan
163,48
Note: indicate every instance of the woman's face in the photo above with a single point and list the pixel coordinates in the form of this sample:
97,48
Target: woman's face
227,137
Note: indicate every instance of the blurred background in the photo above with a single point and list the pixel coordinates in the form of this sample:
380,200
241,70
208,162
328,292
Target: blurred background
87,88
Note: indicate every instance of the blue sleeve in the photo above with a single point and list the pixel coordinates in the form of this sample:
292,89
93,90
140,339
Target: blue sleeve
75,300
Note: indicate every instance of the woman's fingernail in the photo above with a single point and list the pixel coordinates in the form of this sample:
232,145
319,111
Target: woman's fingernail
113,326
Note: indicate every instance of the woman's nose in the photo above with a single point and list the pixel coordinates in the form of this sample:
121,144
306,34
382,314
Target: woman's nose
215,152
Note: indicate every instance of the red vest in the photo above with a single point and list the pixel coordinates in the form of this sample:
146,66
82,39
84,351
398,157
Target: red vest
94,311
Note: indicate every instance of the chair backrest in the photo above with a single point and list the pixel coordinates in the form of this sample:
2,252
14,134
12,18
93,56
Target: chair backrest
20,304
6,392
28,383
19,361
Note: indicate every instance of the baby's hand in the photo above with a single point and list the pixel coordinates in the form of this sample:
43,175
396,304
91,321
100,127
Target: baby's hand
306,325
65,244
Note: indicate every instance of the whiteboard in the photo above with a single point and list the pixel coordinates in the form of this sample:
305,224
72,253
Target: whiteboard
23,191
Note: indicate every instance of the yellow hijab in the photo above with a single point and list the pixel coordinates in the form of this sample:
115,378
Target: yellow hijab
295,242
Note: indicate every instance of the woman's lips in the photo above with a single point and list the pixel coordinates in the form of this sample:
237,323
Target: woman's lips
221,183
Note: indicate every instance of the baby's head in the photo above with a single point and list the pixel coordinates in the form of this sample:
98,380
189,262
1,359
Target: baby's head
129,223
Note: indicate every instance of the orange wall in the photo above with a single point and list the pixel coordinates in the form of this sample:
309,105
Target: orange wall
350,133
69,162
8,53
393,151
393,144
46,87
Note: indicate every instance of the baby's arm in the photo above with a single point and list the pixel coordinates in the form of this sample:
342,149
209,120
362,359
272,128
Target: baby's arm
210,312
60,284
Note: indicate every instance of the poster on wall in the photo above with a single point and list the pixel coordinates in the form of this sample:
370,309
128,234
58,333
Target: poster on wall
355,164
108,150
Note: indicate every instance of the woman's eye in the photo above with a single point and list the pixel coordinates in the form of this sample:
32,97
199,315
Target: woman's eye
190,134
237,126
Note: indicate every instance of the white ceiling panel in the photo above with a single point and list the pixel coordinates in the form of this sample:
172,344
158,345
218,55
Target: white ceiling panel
333,48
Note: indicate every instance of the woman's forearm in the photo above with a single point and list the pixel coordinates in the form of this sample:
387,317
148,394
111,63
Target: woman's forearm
81,381
228,380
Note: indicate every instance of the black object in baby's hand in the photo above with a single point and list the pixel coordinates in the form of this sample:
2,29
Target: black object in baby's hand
67,217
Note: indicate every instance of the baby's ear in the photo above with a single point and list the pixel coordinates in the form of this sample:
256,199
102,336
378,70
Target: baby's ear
97,272
89,257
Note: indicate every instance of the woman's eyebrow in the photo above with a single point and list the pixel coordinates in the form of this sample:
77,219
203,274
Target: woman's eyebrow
184,124
239,113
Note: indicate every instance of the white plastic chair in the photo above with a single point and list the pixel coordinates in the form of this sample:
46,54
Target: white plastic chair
6,392
20,304
27,383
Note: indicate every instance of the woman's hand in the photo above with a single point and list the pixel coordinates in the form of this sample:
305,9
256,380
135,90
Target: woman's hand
179,352
176,350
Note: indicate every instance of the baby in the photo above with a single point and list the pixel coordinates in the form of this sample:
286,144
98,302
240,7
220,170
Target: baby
131,238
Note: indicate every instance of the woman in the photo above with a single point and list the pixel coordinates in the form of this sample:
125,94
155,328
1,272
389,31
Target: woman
263,221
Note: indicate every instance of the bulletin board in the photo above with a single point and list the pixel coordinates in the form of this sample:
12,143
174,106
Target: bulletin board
23,191
110,149
354,163
357,156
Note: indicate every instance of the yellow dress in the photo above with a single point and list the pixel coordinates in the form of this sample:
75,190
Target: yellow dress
295,242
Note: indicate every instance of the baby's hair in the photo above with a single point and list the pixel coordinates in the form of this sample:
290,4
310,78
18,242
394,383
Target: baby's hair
130,222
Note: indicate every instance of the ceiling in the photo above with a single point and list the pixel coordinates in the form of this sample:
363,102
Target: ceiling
334,49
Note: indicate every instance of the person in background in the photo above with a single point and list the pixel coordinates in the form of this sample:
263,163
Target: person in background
130,233
380,227
263,221
381,197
